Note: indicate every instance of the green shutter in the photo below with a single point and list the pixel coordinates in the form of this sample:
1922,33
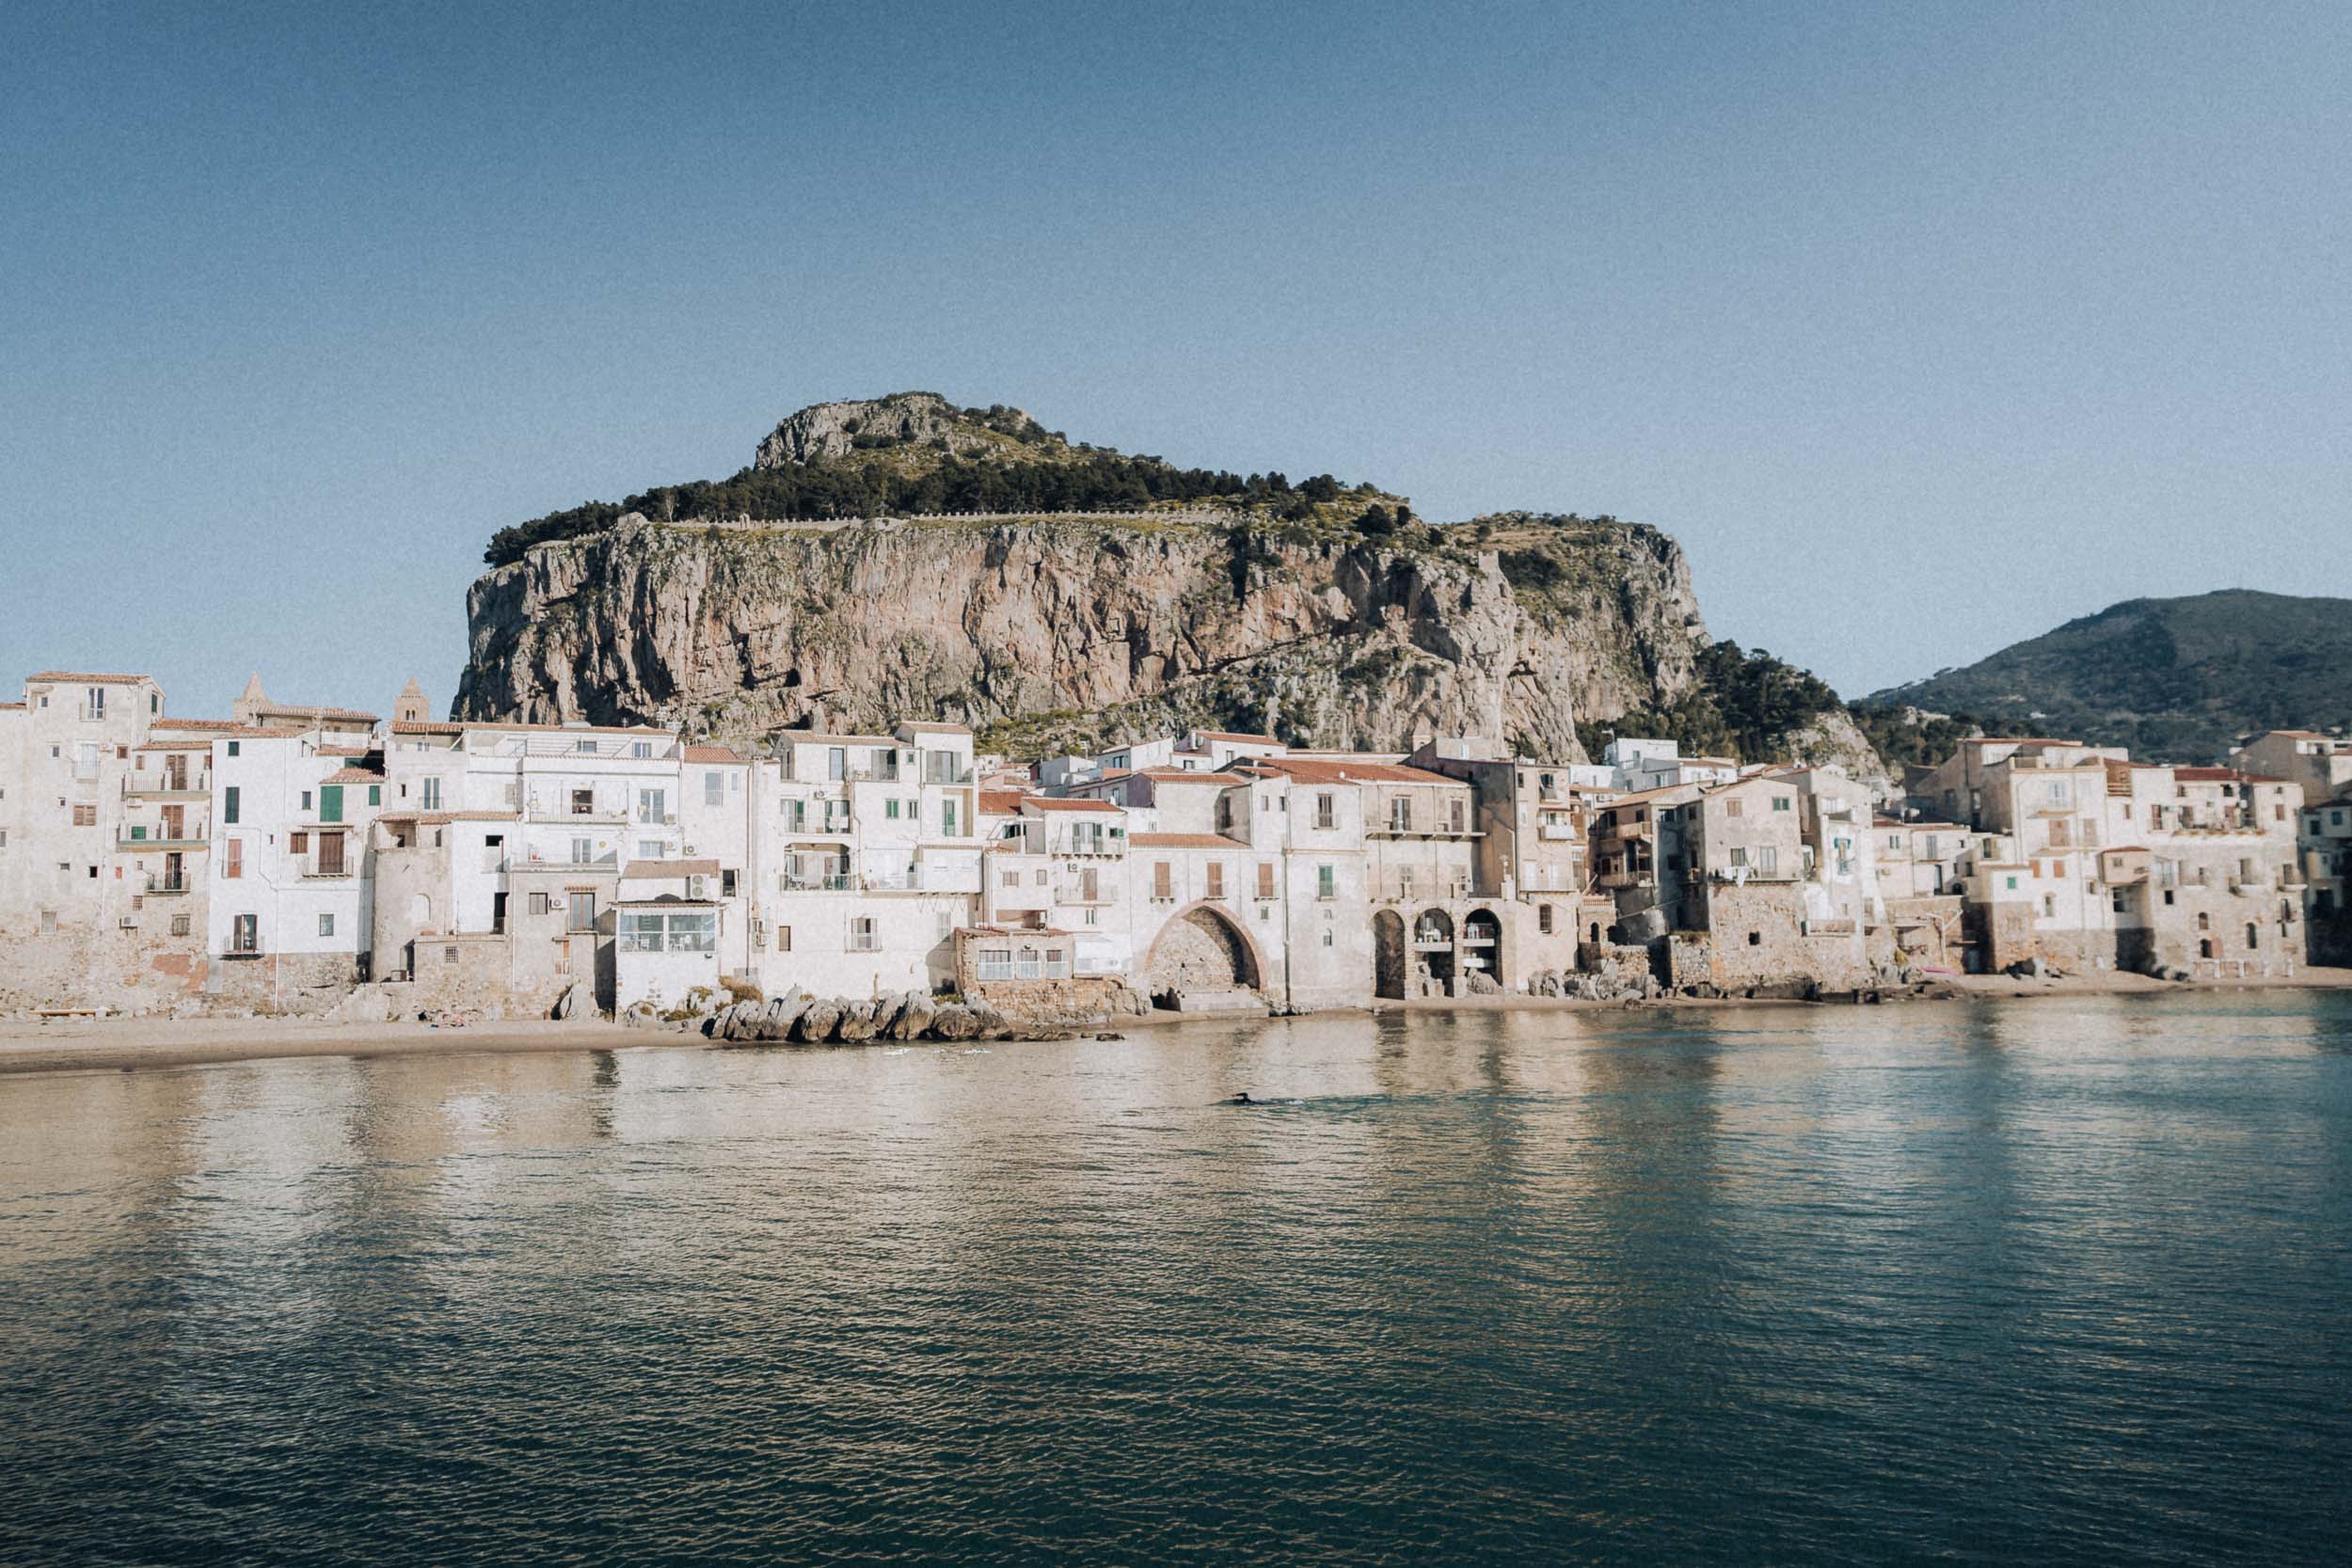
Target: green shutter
330,802
375,795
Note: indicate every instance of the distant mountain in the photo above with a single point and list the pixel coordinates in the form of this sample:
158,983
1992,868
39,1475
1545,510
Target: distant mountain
2173,679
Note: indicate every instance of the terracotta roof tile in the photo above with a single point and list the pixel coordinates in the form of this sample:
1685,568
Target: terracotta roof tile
1044,803
353,775
1352,772
88,679
641,871
1184,841
712,754
1001,802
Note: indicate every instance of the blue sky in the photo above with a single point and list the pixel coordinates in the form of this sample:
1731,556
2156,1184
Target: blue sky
1924,327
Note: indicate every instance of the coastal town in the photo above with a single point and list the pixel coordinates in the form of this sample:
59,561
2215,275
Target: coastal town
319,860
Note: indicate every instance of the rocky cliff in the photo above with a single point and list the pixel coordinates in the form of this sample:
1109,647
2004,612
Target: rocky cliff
1070,631
1324,614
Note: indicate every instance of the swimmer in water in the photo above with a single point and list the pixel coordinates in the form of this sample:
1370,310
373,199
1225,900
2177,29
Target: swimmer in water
1243,1098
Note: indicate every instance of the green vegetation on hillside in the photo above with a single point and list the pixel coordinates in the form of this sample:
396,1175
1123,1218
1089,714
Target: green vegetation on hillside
1742,703
2173,679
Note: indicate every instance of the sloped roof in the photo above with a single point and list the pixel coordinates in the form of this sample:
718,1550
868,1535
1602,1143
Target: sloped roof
353,775
1001,802
712,754
1048,802
88,678
1184,841
1307,771
432,726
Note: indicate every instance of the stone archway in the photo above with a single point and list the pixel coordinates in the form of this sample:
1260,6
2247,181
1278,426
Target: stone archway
1202,951
1389,963
1482,944
1433,953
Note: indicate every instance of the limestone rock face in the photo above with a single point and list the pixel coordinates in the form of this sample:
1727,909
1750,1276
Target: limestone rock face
827,432
1831,738
1072,632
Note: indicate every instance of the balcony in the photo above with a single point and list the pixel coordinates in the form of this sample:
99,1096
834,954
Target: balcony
1557,833
1613,879
553,862
160,884
828,882
1629,832
165,786
124,842
558,813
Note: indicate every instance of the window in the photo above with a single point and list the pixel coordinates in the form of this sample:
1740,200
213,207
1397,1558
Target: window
538,905
429,794
796,815
2012,886
1734,808
726,884
244,934
306,800
652,805
1327,810
580,913
1401,814
836,763
2049,907
230,799
584,748
1163,880
327,925
650,849
1781,803
942,925
714,789
48,922
1738,854
1056,963
641,750
1266,878
862,937
784,939
1455,816
85,817
179,924
1327,881
1768,861
331,854
375,795
1024,964
890,810
995,964
94,705
1010,879
1216,880
946,820
1543,918
1755,939
583,850
2253,936
232,863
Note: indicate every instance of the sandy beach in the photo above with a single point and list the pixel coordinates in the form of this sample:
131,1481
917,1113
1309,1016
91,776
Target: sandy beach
130,1044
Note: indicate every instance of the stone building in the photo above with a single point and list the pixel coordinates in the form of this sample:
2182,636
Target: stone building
2321,764
498,850
1531,827
292,910
866,853
2325,845
73,879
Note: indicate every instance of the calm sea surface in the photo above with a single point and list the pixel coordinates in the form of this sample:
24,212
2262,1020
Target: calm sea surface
2059,1281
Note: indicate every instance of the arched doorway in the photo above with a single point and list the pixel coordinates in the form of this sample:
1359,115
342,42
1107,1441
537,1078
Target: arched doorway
1388,955
1482,944
1433,953
1201,950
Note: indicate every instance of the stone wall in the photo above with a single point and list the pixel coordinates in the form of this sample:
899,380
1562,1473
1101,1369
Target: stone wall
293,983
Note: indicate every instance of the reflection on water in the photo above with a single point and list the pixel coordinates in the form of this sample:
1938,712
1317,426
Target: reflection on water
2063,1280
